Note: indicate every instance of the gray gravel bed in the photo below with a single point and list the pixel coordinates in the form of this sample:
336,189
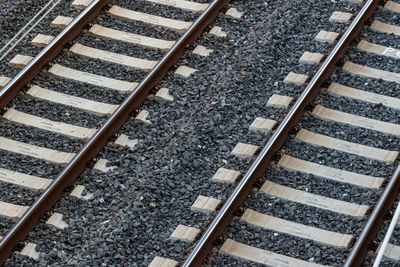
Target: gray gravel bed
385,39
226,260
137,27
45,29
368,195
395,239
99,67
16,260
120,47
200,62
284,244
61,113
323,187
360,108
306,69
84,90
16,11
387,16
304,214
282,42
159,10
35,136
5,224
369,261
371,85
299,213
12,193
20,12
129,225
192,138
28,165
16,195
15,14
168,155
352,134
373,61
276,113
7,70
338,159
180,126
161,169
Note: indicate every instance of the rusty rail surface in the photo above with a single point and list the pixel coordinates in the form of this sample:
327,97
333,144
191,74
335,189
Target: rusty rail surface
375,221
260,164
47,199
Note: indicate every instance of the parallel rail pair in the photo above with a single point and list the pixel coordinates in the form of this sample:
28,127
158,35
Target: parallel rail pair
68,175
278,138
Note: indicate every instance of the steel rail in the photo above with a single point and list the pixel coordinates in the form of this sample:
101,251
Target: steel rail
26,26
256,170
47,199
50,51
388,235
29,30
375,221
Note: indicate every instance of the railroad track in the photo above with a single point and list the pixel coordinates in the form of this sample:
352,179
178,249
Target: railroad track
319,180
283,200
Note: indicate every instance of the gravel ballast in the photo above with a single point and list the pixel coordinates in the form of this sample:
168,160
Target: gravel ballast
16,14
137,205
